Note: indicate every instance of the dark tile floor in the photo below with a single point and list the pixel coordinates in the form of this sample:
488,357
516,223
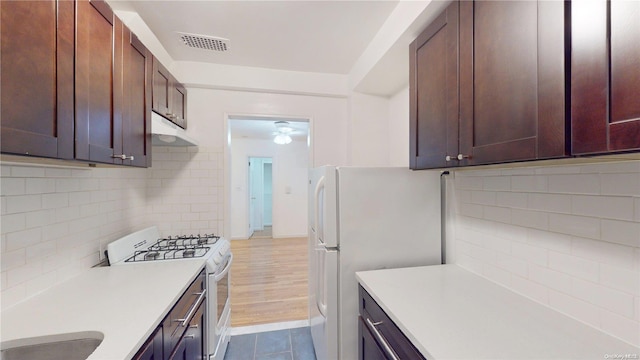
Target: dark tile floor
288,344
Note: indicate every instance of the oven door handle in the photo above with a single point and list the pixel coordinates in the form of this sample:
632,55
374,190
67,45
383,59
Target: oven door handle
219,276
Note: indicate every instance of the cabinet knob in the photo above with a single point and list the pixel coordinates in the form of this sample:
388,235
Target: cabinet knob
447,158
462,157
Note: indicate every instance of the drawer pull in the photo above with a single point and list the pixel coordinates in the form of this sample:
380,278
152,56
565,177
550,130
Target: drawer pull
193,309
385,345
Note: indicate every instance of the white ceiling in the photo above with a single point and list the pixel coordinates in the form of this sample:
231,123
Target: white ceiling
255,128
310,36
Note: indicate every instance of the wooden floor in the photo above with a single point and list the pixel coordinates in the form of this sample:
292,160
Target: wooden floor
266,232
268,281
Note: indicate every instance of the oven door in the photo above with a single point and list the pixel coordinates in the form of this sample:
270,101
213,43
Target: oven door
220,310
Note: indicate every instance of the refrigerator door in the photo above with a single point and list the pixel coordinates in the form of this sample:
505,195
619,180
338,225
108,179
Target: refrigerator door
324,312
324,198
388,218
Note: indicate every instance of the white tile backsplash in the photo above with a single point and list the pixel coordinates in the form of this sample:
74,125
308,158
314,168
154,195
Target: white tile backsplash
53,221
621,232
606,207
571,237
575,184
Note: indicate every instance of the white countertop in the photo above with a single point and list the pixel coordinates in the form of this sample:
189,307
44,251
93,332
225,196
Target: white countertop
125,303
450,313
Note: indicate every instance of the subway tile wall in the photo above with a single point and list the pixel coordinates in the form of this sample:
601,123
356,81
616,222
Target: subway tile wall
565,236
185,190
56,222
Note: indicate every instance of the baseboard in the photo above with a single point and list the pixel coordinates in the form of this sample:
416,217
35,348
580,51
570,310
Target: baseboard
268,327
290,236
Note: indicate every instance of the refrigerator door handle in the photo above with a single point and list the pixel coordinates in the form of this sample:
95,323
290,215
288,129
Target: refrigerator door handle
321,302
319,207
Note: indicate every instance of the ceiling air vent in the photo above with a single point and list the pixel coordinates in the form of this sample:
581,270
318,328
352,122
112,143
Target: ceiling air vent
204,42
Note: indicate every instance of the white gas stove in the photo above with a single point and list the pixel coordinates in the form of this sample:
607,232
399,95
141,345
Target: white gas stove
147,246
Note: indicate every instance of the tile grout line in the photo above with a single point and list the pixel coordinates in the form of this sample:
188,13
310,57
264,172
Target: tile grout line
290,344
255,348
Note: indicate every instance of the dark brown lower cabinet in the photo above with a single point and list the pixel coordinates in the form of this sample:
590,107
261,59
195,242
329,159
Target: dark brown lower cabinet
152,349
369,348
379,337
191,345
182,334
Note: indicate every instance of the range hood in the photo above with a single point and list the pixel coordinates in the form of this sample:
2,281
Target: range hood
166,133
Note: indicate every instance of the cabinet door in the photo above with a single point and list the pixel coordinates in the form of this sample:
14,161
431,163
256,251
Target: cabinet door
179,102
368,347
190,346
605,76
36,61
152,349
161,89
377,321
98,63
433,89
512,98
136,116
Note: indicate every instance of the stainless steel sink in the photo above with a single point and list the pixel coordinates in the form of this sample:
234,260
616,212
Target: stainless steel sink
64,347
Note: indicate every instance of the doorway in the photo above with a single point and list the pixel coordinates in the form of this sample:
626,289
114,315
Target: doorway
260,197
267,187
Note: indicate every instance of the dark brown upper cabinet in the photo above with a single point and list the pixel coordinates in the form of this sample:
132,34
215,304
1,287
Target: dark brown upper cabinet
512,81
169,96
487,85
37,45
76,84
179,101
98,80
605,76
433,89
136,112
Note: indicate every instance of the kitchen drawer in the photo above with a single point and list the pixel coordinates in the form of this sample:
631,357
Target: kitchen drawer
371,312
173,324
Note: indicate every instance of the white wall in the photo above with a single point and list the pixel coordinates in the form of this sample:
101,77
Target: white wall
398,130
368,130
290,170
208,108
565,236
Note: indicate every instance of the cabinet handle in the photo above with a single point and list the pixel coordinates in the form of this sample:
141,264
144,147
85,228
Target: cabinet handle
462,157
385,345
123,157
193,309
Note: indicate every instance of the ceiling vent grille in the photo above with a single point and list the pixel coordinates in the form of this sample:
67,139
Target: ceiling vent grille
204,42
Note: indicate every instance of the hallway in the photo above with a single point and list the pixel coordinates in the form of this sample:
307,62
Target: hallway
269,281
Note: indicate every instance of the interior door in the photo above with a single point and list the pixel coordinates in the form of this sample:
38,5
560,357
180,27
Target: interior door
256,194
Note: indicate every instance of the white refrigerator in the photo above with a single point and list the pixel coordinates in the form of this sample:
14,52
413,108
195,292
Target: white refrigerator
364,219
